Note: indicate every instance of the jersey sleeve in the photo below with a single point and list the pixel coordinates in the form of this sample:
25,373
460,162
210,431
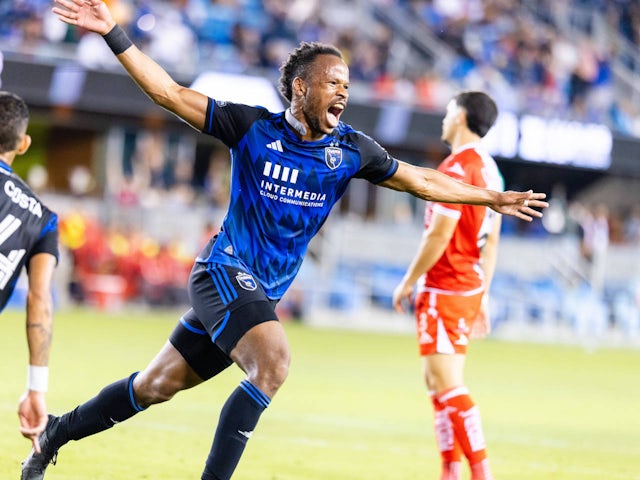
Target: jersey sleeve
48,241
229,121
376,163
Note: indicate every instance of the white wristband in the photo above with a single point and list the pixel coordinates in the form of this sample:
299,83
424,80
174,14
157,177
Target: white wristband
37,378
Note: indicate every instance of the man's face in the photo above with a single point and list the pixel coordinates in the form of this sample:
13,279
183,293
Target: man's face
451,121
325,94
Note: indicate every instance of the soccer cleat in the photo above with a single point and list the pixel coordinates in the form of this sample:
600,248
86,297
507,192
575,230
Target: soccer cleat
35,464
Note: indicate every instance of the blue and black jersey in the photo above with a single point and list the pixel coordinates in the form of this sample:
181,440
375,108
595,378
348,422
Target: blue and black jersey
27,227
282,188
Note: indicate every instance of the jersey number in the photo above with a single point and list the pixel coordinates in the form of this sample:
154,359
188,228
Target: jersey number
10,262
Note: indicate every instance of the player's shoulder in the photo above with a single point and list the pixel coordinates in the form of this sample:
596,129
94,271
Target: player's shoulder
18,192
473,157
472,153
255,111
347,134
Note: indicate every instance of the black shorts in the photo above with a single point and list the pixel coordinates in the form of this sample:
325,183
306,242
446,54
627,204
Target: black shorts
226,303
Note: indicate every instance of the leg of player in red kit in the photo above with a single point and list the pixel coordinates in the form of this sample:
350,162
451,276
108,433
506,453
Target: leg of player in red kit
448,445
467,426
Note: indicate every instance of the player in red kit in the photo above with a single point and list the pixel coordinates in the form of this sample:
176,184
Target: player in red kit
453,268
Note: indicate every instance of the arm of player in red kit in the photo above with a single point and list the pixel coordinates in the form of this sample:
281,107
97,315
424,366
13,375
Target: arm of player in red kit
482,324
434,242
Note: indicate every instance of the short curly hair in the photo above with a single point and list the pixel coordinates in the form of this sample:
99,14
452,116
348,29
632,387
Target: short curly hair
14,118
298,63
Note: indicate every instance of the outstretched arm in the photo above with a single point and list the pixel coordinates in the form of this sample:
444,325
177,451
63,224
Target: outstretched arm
32,410
93,15
429,184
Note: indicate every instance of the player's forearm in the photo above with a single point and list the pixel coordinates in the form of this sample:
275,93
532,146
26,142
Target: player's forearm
150,77
442,188
431,249
156,83
39,328
429,184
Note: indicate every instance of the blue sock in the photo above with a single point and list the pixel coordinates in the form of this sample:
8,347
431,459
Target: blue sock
238,418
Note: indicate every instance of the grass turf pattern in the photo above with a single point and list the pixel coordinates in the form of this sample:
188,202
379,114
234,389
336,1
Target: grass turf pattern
353,407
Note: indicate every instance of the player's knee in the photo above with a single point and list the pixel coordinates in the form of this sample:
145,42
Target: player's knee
270,376
280,372
155,390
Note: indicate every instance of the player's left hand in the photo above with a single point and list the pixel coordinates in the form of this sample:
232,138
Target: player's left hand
520,204
482,324
32,412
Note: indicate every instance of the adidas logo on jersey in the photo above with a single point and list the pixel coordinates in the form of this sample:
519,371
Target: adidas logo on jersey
277,146
457,169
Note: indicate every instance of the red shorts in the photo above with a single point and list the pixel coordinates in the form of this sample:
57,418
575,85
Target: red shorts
444,321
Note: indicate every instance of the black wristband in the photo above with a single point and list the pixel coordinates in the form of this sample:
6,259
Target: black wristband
117,40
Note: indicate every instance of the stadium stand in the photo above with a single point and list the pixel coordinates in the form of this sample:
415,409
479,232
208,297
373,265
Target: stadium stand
575,60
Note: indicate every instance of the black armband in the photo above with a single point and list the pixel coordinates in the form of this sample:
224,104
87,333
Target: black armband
117,40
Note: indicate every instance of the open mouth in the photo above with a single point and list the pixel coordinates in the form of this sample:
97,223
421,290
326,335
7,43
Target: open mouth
335,112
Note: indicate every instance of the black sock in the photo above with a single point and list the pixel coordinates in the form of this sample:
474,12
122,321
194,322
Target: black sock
238,418
114,404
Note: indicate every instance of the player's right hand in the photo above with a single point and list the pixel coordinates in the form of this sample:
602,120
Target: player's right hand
402,293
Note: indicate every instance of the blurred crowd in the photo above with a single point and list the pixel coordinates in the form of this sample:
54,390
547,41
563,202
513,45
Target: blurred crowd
116,263
520,52
113,264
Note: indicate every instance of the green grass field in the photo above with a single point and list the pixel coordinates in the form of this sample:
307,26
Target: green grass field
353,408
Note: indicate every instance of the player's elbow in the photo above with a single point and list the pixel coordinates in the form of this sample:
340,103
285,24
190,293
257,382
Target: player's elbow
166,96
40,301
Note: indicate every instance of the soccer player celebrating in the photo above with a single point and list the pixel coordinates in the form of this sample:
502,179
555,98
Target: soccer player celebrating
453,267
288,170
28,238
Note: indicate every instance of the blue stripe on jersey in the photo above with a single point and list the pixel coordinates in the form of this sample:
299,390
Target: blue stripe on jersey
51,225
209,119
255,393
191,328
225,320
223,284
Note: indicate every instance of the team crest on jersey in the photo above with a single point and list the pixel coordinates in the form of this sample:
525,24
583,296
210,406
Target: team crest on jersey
246,281
333,157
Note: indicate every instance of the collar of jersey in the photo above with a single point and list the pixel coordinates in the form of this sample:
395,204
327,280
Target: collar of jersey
290,133
467,146
5,166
